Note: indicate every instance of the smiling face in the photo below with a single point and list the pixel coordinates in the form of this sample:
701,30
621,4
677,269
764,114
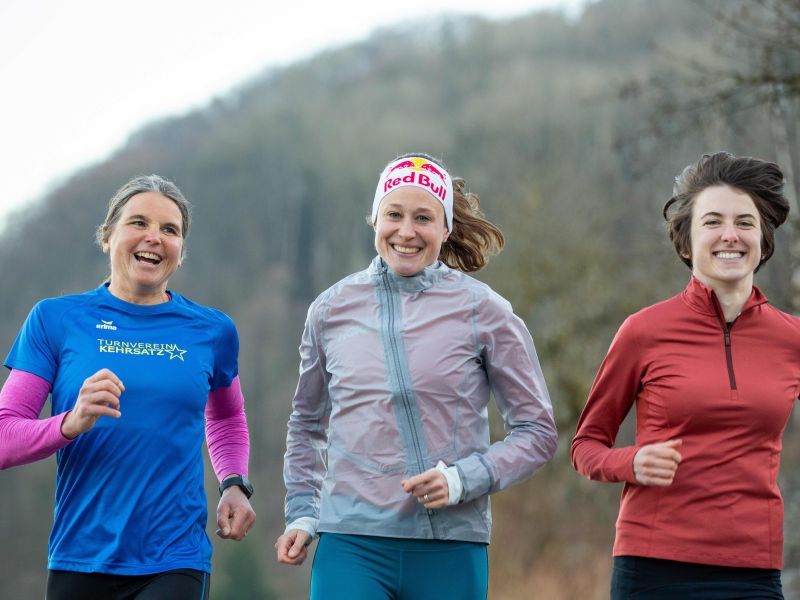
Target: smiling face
410,230
145,248
725,239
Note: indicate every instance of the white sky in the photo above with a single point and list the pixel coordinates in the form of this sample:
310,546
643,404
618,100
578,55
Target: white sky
78,76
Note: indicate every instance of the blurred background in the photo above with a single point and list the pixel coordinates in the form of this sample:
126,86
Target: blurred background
569,119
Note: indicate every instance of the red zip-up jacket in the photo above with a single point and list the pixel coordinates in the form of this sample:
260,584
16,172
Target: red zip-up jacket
727,392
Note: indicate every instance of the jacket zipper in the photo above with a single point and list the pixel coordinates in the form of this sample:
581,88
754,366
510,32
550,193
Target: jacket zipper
403,392
726,330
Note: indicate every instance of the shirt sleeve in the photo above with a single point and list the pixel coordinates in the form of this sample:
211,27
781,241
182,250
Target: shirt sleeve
24,438
520,392
36,350
226,358
305,459
227,435
610,399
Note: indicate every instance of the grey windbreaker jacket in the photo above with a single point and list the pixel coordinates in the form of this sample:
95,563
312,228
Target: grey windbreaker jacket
395,375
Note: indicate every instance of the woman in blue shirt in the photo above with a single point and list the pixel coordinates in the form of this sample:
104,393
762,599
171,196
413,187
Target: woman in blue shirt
135,373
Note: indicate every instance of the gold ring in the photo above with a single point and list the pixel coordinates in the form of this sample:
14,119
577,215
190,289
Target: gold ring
425,497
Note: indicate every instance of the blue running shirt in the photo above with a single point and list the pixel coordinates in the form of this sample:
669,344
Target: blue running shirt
129,492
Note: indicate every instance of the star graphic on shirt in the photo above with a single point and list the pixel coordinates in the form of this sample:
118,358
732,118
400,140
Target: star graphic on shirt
176,352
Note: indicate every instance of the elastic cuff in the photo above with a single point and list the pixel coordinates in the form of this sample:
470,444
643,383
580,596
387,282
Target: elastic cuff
454,486
61,431
307,524
620,464
475,476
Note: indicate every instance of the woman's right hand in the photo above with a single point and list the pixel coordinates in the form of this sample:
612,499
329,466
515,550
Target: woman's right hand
98,397
292,547
656,464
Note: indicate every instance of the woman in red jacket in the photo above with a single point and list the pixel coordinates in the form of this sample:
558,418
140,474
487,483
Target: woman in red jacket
714,372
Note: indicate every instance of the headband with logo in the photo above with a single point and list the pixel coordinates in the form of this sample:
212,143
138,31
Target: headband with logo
418,172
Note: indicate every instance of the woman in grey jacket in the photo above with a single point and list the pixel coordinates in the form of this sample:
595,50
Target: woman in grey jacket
388,454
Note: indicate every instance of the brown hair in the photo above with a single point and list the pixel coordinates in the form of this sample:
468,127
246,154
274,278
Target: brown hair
760,179
473,239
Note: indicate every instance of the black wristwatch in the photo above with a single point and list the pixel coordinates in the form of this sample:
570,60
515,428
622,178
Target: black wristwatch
242,481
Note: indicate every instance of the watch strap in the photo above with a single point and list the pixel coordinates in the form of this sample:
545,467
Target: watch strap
242,482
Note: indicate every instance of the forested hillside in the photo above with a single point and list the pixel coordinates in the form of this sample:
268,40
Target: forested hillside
281,171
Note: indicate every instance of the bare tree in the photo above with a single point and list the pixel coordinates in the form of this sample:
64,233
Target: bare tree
746,78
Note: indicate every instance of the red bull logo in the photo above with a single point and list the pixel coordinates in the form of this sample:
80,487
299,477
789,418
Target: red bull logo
406,164
432,168
418,164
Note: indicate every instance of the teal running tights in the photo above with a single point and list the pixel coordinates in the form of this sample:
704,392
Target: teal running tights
360,567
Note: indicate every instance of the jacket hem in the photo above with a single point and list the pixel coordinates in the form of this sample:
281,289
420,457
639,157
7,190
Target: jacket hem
388,531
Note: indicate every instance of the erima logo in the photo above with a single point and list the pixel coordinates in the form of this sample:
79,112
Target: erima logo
106,325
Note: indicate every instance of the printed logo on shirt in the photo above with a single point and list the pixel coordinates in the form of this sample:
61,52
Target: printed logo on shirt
106,325
141,348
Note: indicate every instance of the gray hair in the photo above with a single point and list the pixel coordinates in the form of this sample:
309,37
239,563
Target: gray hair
140,185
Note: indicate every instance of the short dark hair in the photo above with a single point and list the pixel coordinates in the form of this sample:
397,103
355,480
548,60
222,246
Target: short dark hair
762,180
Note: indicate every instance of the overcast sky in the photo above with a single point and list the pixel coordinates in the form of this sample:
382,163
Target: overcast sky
77,77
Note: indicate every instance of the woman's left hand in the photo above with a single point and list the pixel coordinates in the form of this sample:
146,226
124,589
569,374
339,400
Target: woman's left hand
235,516
430,488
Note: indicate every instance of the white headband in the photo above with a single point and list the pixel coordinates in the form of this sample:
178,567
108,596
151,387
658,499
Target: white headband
418,172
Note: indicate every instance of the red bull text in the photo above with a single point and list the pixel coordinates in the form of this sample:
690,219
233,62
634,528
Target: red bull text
420,179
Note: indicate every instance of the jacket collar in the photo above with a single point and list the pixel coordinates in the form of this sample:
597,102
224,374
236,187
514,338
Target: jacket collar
429,276
703,299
